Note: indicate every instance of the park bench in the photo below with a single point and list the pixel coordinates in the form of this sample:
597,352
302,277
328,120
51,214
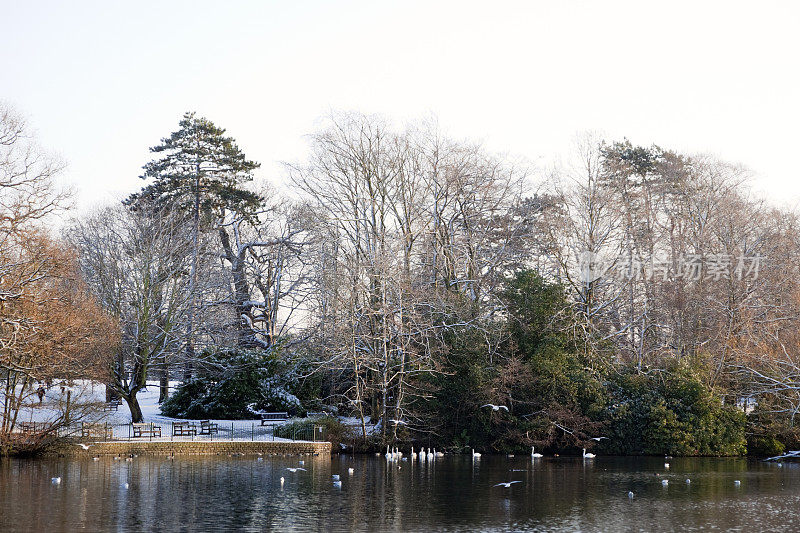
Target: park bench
146,430
208,428
112,405
95,430
28,427
273,418
184,429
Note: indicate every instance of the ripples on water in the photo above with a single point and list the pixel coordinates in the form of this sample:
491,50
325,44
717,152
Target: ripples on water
451,494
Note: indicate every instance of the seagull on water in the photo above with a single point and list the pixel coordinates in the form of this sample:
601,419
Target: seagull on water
507,485
495,407
56,480
630,494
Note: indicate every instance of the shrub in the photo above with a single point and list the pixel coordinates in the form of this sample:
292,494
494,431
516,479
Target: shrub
249,383
303,429
671,412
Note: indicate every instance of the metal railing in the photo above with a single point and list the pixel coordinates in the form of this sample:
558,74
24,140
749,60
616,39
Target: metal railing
192,431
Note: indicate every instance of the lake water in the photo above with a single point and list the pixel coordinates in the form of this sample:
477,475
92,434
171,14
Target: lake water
452,494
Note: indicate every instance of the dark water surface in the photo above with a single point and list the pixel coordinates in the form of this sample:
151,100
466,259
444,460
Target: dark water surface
451,494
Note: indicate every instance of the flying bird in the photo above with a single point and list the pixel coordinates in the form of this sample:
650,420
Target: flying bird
290,469
495,407
85,446
598,439
398,422
507,485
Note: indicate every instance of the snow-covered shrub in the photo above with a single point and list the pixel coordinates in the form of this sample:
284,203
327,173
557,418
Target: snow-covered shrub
249,382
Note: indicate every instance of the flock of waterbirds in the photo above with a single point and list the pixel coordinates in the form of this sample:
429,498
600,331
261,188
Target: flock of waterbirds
395,454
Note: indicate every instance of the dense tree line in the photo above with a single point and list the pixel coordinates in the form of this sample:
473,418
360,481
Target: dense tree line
439,293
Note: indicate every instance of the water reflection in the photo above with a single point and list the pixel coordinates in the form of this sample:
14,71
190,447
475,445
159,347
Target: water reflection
450,493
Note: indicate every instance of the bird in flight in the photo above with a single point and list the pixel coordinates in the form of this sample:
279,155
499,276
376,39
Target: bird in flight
295,469
495,407
85,446
398,422
598,439
507,485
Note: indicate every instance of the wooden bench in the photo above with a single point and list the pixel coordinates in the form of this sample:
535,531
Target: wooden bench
273,418
28,427
102,431
146,430
208,428
112,405
184,429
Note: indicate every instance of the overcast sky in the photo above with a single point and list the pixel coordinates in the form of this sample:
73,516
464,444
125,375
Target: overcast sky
103,81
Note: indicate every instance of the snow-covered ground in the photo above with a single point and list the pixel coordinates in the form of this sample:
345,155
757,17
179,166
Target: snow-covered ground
88,392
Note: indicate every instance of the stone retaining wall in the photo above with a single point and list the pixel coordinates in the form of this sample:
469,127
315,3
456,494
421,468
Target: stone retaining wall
199,448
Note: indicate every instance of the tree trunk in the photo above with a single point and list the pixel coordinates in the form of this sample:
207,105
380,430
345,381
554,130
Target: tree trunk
136,411
163,386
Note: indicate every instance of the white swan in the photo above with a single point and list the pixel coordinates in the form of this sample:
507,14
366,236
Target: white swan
475,454
430,455
665,482
388,455
413,454
588,455
630,494
437,454
534,454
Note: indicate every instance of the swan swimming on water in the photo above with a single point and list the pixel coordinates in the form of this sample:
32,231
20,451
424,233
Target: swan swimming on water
475,454
588,455
534,454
